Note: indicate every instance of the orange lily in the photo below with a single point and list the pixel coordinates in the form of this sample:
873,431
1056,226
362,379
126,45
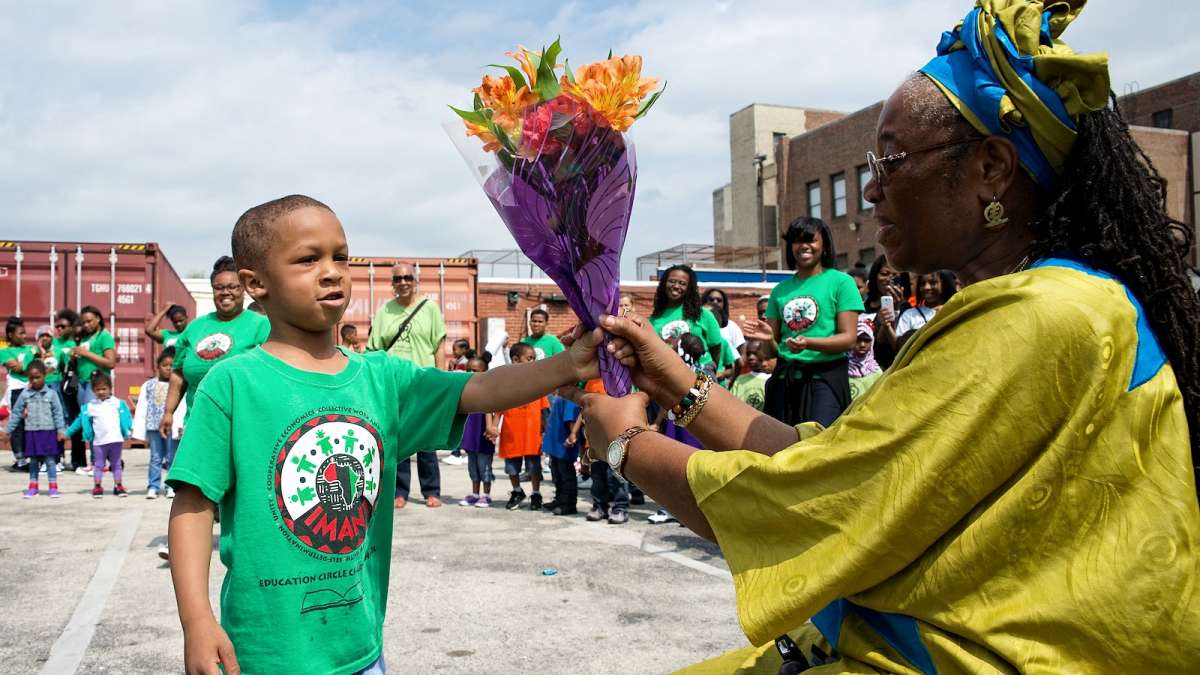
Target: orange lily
522,57
505,100
613,88
490,142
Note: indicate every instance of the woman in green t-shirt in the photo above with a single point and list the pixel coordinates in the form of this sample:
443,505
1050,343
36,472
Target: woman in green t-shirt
96,351
812,317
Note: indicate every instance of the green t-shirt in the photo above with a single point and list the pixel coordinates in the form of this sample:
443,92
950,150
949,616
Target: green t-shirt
303,466
671,323
208,340
97,344
422,336
750,388
170,337
809,307
545,346
56,360
23,355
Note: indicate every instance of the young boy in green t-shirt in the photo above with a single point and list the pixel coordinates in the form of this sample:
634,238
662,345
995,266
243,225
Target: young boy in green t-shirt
298,442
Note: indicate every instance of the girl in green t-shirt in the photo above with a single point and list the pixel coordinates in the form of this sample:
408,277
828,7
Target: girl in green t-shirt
812,317
15,358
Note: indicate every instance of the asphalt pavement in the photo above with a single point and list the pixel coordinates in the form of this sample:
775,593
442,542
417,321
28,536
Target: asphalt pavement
84,590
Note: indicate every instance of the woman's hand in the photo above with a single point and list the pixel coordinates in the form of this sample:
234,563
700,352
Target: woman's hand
581,350
607,417
164,425
655,367
796,344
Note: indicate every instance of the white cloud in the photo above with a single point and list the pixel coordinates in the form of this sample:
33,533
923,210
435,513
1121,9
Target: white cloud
163,121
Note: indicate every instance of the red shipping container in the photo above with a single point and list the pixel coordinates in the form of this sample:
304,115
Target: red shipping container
451,283
127,282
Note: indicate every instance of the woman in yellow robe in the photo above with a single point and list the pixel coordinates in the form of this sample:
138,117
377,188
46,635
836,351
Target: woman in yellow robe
1018,492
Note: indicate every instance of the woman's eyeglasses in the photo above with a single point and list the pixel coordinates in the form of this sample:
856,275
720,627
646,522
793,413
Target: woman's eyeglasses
403,278
878,165
227,288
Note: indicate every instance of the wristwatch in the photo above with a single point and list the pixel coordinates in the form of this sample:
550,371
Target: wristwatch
614,456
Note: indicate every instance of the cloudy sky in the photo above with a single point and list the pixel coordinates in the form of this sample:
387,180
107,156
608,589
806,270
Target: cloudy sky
163,121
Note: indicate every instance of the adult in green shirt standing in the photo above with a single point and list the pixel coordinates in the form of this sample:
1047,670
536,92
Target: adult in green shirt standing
16,357
544,344
812,318
212,338
96,351
410,326
179,321
66,328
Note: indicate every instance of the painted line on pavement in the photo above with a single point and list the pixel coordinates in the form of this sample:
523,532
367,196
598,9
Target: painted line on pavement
67,652
620,536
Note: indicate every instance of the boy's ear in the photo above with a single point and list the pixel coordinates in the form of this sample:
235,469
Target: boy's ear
252,283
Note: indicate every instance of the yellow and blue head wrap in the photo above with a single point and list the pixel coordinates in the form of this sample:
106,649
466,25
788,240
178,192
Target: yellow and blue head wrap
1009,75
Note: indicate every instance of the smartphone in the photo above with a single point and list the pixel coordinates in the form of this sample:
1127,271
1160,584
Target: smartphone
887,302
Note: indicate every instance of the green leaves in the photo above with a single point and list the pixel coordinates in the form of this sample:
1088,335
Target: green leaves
515,73
650,102
477,116
548,87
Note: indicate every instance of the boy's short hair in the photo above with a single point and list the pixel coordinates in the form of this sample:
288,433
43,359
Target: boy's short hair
101,378
692,345
543,313
254,232
764,349
346,329
518,350
35,365
168,353
175,310
477,359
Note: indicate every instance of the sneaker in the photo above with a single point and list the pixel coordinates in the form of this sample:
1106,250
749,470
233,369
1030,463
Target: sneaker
29,493
514,499
54,493
433,502
471,500
82,471
151,494
58,467
596,515
535,501
97,492
23,464
551,505
400,502
485,502
164,552
565,510
453,460
663,516
120,491
170,492
618,518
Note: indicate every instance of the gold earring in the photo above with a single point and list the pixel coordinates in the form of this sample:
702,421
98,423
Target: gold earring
994,215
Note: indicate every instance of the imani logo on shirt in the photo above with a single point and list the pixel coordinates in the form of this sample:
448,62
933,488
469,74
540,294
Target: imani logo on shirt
674,329
214,346
327,481
800,313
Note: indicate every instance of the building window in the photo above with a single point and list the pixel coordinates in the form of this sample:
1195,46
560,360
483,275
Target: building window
1163,119
814,199
839,195
777,137
843,261
864,176
866,256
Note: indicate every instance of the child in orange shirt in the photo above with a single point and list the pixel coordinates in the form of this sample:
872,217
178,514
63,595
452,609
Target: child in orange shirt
521,440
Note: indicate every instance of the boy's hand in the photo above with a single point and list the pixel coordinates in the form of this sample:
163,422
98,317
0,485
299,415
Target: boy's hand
582,352
164,426
62,437
571,440
205,647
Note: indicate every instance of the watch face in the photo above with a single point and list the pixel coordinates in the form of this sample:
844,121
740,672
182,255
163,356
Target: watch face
615,450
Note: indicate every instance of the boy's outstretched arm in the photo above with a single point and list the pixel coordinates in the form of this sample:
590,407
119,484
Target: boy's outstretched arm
517,384
189,537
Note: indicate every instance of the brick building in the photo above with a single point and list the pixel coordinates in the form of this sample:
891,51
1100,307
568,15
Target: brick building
822,171
503,304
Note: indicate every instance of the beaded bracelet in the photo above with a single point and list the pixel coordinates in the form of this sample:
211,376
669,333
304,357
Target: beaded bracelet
687,409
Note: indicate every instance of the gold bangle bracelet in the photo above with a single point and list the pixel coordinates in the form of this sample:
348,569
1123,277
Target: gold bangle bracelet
694,410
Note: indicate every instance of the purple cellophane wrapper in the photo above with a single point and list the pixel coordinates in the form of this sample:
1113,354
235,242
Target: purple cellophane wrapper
571,217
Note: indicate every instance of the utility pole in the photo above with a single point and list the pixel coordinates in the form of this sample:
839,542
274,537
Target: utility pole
762,244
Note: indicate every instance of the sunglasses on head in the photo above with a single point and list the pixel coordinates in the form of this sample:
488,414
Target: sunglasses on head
398,278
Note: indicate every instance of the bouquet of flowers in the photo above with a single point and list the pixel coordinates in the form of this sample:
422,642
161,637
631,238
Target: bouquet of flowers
562,172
